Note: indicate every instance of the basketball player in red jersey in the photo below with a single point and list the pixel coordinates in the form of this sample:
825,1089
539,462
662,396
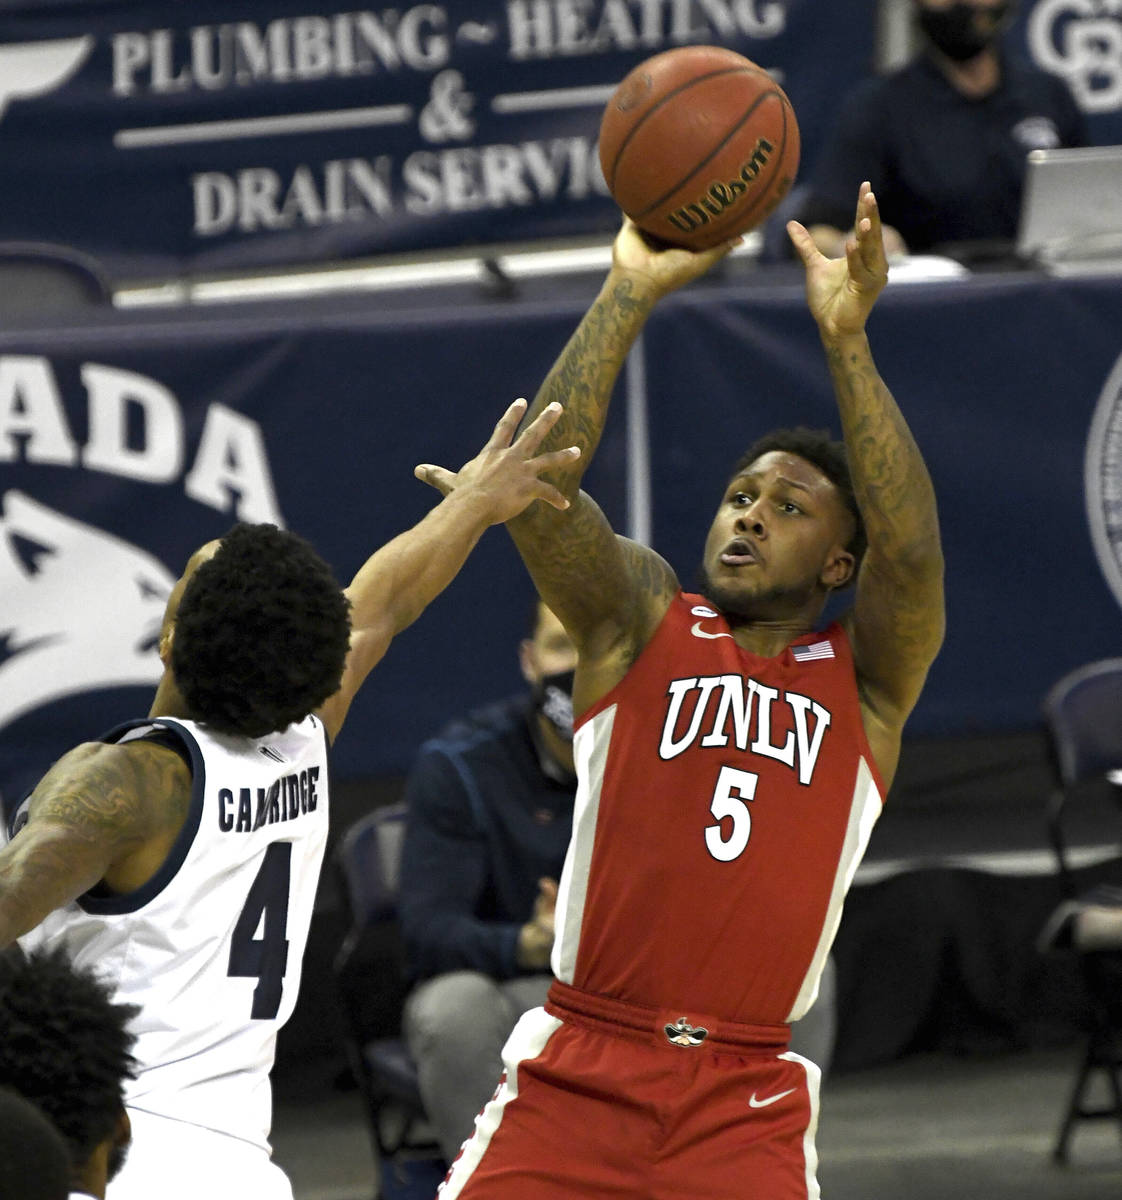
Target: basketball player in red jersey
732,760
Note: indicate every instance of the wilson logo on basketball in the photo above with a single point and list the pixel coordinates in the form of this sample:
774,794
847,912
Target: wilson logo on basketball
722,196
698,145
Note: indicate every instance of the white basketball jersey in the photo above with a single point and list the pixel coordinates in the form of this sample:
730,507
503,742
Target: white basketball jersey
211,948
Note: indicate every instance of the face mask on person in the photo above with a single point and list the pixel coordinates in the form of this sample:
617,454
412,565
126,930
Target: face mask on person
963,31
553,698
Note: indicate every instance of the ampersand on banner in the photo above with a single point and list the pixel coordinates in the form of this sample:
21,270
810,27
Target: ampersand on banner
445,116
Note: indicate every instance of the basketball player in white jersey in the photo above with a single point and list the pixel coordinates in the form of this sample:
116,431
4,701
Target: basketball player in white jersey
732,757
178,856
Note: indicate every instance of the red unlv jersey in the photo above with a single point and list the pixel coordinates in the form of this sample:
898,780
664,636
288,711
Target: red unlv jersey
724,802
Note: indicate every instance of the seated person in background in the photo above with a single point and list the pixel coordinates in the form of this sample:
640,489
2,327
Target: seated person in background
943,140
66,1047
490,809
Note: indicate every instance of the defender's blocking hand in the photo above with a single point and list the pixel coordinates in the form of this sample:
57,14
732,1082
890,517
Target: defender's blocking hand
506,475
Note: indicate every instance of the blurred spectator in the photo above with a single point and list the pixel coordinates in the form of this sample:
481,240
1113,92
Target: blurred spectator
65,1046
490,808
943,140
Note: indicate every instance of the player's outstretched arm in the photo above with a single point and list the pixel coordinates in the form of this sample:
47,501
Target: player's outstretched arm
898,618
91,817
395,585
599,585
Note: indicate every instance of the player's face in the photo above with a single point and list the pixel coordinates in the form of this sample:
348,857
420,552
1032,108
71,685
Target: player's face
193,563
778,541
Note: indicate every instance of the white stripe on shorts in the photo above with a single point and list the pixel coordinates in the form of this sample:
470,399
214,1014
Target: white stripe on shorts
810,1146
527,1040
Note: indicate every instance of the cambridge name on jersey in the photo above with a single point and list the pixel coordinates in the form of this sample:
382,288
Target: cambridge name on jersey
723,805
211,948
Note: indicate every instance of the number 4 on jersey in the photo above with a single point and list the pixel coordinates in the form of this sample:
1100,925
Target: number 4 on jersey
727,804
266,908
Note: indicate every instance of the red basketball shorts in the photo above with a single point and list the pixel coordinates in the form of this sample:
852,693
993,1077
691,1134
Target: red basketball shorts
605,1100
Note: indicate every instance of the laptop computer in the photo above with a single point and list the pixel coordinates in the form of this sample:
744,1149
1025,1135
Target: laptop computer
1071,209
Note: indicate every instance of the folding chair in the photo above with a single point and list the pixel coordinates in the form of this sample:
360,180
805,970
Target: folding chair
1083,719
371,988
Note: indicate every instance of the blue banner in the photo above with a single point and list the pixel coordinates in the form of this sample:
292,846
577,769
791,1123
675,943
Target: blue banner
127,443
128,440
214,136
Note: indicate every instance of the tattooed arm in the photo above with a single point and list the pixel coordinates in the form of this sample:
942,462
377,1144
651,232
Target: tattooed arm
101,812
609,592
897,621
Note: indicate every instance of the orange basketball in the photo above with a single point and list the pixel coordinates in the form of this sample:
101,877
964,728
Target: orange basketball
698,145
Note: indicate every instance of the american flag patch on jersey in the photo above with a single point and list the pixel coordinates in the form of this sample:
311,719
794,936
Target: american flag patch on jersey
813,652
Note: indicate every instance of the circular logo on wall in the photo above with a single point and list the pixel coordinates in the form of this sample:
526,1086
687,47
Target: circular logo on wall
1102,480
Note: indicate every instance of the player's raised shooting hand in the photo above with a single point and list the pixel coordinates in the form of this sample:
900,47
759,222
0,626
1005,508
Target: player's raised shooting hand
663,267
506,475
841,292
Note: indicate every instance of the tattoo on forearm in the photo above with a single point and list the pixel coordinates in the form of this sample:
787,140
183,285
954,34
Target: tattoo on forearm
583,376
579,545
893,487
897,502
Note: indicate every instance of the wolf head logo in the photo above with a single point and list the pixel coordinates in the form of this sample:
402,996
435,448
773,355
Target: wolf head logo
81,608
36,68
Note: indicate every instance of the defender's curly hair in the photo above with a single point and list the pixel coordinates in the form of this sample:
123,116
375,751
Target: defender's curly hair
261,633
65,1046
829,456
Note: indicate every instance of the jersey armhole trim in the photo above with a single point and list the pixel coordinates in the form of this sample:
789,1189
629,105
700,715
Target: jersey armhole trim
130,902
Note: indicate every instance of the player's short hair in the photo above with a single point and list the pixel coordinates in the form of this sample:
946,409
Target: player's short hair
261,633
65,1046
829,456
34,1160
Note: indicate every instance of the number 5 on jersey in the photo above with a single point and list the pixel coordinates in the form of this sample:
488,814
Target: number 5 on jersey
734,788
